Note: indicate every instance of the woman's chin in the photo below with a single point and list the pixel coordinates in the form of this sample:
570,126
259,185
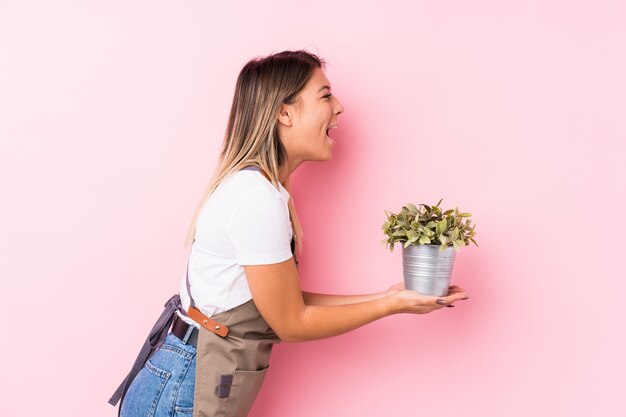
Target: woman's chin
331,146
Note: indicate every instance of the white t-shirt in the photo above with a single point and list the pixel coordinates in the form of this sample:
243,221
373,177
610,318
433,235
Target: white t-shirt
245,221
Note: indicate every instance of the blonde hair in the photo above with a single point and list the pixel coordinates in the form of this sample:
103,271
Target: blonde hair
252,138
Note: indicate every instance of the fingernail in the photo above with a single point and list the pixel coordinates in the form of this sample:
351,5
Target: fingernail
450,305
440,301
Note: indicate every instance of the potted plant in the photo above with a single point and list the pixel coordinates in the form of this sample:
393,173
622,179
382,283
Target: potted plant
431,237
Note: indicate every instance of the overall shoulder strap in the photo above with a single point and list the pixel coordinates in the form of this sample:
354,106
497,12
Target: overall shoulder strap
293,241
251,167
187,283
192,302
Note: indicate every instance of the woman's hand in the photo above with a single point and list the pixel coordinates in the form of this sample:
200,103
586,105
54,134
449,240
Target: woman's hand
395,288
409,301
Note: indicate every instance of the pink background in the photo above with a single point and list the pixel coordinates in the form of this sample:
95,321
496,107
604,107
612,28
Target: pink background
112,115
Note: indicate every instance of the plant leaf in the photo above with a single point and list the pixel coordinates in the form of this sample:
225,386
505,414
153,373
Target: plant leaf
424,240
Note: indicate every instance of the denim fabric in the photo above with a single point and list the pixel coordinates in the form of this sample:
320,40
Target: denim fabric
165,385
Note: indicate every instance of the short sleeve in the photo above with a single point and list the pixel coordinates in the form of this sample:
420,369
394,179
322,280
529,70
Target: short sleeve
260,229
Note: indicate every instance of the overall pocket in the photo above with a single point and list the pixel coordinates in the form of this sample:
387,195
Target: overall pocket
244,390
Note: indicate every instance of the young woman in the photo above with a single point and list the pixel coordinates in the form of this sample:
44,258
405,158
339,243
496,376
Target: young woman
240,294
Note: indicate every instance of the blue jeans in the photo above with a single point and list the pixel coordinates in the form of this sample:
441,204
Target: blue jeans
165,385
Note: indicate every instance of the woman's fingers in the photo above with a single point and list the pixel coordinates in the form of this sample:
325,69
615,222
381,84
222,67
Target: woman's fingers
451,298
422,303
455,289
455,293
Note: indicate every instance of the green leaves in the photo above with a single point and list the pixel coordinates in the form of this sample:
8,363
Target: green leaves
428,225
441,226
412,207
424,240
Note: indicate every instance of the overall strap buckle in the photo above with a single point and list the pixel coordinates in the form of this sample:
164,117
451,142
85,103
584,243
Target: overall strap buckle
207,322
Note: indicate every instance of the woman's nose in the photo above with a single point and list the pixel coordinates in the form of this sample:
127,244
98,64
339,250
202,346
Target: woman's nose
338,108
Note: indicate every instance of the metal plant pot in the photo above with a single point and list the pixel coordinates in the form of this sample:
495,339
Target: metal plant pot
426,270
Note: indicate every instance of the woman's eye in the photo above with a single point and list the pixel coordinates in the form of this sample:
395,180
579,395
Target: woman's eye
327,95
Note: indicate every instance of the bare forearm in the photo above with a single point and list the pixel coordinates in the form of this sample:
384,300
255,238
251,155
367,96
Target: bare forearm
322,321
318,299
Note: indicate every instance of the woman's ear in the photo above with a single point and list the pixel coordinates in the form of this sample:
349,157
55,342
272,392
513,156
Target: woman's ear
284,115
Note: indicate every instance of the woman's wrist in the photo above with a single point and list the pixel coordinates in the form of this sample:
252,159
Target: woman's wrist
390,304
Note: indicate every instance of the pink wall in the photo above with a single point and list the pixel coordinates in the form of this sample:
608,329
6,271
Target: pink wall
112,114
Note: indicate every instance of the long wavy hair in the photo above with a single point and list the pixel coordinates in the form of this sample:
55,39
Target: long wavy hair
252,137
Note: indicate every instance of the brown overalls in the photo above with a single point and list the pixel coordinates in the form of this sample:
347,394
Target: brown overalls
232,356
244,353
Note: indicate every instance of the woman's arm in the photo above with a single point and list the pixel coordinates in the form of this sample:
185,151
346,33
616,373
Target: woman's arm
277,294
312,298
317,299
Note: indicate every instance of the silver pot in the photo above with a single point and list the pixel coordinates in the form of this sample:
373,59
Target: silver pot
426,270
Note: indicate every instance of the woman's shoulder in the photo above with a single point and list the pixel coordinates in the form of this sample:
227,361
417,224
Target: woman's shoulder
253,185
245,191
241,183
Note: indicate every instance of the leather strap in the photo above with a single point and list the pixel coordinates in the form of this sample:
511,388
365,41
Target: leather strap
207,322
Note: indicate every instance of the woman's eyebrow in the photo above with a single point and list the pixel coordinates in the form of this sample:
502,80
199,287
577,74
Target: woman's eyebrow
323,87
